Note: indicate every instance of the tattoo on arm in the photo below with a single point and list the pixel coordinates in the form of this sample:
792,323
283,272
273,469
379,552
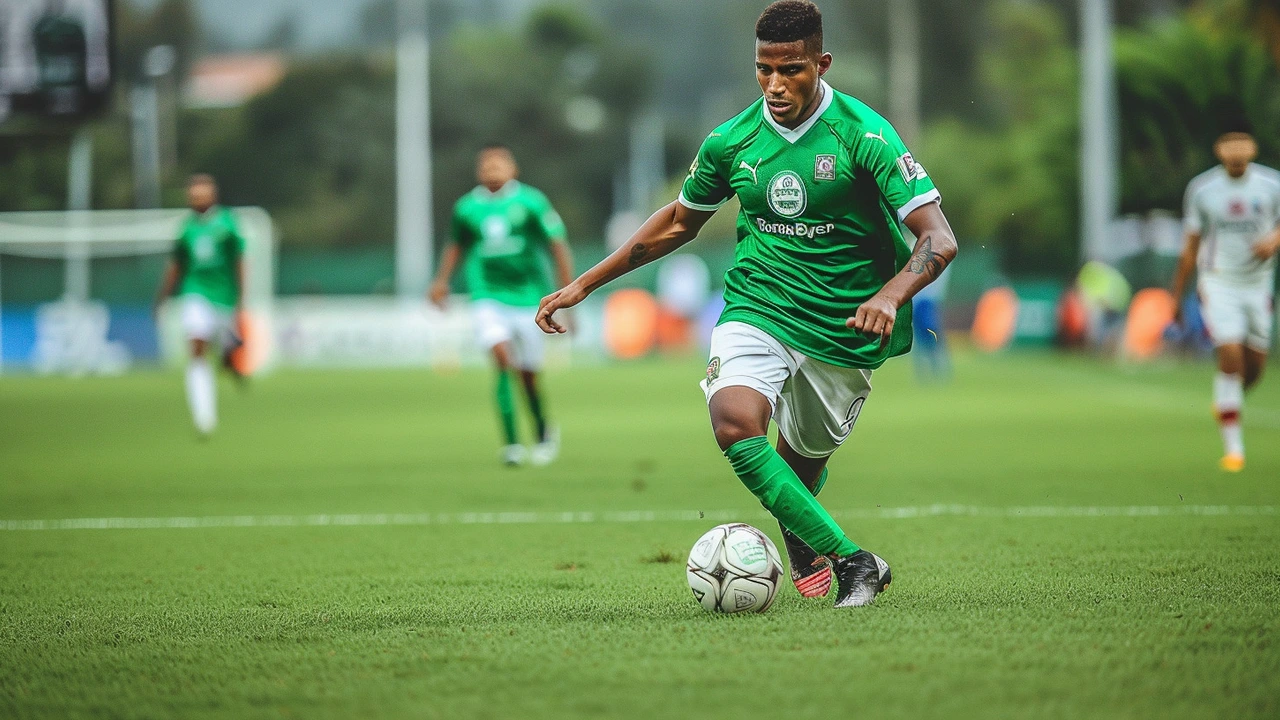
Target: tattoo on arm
927,262
638,254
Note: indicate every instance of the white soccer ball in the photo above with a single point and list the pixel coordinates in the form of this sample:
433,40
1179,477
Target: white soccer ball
734,568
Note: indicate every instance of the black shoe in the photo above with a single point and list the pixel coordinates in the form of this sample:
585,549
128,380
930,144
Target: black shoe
861,576
810,571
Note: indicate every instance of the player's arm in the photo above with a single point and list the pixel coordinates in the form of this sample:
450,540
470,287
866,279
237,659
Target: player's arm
1186,265
935,248
173,272
662,234
1193,221
449,259
439,292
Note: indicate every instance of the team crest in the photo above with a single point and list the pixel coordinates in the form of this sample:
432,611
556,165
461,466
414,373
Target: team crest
786,194
713,369
824,167
910,169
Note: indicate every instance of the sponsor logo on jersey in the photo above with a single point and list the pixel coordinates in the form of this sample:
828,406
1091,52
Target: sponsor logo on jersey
786,194
910,169
794,229
824,167
751,169
879,137
1235,207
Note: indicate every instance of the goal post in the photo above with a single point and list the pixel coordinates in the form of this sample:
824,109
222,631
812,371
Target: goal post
76,288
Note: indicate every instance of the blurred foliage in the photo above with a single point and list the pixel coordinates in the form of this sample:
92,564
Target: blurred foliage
1012,180
1178,80
999,88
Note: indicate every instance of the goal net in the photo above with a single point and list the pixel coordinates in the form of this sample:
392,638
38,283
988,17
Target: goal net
76,288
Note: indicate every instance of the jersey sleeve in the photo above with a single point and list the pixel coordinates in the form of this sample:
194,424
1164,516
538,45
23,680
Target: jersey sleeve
1192,215
460,229
902,181
546,221
235,239
707,186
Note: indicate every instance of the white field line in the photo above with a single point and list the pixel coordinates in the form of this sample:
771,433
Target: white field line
551,518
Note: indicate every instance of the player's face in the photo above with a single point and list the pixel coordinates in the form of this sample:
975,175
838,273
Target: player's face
1235,152
495,168
788,76
201,196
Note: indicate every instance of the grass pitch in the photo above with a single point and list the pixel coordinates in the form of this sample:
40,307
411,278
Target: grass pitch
1057,598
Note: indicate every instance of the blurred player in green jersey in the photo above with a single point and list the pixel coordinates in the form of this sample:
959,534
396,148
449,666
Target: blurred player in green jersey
207,269
502,232
820,291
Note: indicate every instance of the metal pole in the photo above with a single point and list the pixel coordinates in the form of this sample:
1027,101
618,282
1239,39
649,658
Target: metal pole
413,151
1099,140
79,198
146,145
646,170
904,68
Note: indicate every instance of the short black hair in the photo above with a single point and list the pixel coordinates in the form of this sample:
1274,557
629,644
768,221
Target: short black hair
496,146
201,178
790,20
1232,121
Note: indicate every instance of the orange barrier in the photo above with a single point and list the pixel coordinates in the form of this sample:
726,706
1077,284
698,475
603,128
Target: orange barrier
630,323
1073,319
1149,314
995,319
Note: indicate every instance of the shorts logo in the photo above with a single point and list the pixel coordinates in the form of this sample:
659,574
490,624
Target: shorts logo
713,369
786,194
910,169
824,167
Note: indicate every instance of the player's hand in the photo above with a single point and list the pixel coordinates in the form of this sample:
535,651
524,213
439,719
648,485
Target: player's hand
1265,249
566,297
439,295
875,317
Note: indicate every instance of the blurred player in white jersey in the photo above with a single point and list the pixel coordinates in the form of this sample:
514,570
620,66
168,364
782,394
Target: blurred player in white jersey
1232,220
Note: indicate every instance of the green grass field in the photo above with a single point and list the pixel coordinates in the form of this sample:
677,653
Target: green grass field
1085,607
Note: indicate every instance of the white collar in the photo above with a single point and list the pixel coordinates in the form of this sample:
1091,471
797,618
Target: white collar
792,136
505,191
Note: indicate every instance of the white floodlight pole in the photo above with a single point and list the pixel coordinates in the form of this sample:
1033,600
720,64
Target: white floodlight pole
413,150
1099,139
904,68
75,282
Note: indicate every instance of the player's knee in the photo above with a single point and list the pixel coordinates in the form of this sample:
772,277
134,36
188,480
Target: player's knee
197,348
731,430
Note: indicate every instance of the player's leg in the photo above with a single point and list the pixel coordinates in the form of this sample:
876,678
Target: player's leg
494,333
199,322
1225,315
816,413
810,572
747,372
1255,363
1228,403
528,343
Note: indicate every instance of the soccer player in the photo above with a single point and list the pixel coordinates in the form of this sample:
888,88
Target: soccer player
819,294
1232,221
504,229
207,268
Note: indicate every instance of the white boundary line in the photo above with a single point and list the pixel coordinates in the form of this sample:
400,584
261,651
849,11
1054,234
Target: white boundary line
545,518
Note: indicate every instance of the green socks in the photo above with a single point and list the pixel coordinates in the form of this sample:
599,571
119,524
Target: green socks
506,407
822,480
770,479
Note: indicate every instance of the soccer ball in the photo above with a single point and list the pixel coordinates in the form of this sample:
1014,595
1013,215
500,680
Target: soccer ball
734,568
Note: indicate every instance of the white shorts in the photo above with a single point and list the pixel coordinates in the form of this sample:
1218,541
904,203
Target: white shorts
501,323
814,403
1237,315
202,320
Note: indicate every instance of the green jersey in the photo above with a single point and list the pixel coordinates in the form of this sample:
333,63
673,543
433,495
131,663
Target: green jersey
820,228
208,249
505,236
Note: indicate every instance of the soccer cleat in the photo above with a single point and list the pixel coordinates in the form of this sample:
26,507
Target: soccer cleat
513,455
1232,462
548,450
810,572
860,576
